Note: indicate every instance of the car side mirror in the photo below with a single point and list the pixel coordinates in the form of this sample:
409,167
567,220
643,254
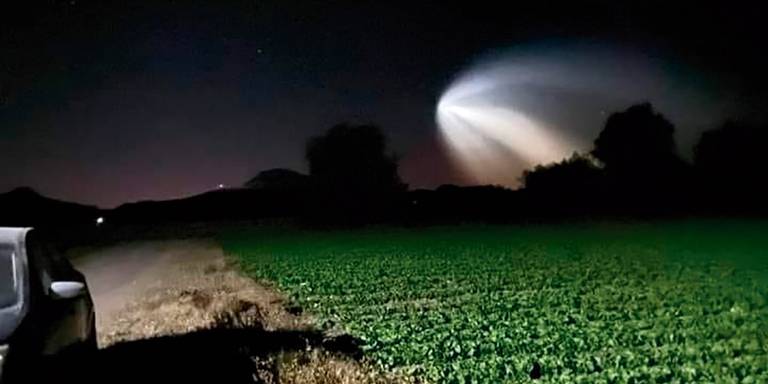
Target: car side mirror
67,289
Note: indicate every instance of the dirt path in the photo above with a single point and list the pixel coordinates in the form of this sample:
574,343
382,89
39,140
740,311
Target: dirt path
146,289
179,310
121,274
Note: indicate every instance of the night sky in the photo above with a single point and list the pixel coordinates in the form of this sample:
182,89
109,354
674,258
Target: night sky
105,103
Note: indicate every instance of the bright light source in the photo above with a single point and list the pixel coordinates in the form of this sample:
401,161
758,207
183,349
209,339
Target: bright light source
493,143
515,108
221,186
100,221
490,141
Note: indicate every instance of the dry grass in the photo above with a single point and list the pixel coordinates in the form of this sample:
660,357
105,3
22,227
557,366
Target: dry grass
321,367
197,297
210,293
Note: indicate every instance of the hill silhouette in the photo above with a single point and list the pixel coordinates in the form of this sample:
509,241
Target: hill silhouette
633,170
222,204
24,206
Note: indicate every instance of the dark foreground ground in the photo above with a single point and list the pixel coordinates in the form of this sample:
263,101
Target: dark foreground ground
682,301
179,311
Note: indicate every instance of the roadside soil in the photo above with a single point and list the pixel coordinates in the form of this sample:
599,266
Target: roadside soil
180,310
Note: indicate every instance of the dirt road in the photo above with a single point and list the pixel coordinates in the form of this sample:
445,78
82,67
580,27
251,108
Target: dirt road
180,311
122,274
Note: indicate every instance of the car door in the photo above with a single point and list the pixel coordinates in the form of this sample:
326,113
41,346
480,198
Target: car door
80,321
63,323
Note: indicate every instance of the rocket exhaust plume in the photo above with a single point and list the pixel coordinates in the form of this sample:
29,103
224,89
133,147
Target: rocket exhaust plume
534,105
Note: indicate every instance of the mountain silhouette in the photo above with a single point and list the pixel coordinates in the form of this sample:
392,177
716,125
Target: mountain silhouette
26,207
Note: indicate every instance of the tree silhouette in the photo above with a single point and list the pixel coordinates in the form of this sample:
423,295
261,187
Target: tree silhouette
577,173
635,141
570,186
730,159
637,149
353,170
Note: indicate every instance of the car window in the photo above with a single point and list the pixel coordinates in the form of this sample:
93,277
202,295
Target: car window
7,277
61,269
47,263
39,265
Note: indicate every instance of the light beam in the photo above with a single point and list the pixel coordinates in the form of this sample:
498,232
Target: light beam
493,143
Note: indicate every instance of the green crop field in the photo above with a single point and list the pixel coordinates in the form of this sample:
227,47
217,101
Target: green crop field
664,302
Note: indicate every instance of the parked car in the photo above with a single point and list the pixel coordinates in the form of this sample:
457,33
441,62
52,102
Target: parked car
46,310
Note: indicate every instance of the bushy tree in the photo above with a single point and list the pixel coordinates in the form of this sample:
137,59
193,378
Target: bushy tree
638,151
353,170
636,142
579,172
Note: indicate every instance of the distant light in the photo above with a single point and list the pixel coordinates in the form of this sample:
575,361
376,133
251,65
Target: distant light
221,186
100,221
